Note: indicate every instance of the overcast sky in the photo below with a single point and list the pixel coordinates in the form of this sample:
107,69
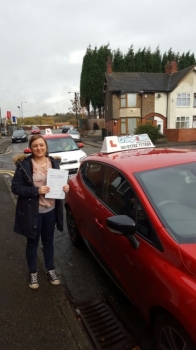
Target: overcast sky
43,42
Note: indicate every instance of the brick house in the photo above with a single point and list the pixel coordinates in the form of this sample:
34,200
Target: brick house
167,100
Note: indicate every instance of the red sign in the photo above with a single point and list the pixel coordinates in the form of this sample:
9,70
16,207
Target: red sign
8,114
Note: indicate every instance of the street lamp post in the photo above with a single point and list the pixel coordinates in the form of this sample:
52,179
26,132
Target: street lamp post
76,106
19,115
22,110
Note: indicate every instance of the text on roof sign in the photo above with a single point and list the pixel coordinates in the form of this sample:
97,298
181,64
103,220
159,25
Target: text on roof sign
122,143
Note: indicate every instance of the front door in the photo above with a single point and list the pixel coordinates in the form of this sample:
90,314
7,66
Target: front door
159,124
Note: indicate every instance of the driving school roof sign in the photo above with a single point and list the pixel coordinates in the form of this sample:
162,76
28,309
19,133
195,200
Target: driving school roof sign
48,131
124,143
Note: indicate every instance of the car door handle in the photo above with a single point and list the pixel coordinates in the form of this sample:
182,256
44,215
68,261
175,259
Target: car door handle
98,223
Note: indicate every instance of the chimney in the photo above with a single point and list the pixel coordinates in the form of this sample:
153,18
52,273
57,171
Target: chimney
171,67
109,65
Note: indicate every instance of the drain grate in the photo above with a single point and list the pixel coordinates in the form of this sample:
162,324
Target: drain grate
104,326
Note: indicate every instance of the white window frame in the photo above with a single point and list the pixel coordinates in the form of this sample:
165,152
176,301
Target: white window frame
131,100
123,102
182,122
194,100
123,125
183,99
128,100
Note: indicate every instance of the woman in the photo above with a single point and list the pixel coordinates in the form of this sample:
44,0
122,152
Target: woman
36,215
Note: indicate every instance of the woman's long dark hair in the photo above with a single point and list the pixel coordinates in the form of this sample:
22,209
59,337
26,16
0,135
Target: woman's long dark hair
36,137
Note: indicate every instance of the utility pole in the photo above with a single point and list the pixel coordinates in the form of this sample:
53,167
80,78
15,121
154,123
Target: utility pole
22,110
19,115
76,105
0,122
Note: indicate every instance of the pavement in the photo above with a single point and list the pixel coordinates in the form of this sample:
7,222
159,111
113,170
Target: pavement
39,319
96,141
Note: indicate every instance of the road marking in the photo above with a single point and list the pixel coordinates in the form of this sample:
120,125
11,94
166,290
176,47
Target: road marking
9,172
7,151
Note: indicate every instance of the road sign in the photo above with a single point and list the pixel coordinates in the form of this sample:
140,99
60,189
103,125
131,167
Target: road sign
8,114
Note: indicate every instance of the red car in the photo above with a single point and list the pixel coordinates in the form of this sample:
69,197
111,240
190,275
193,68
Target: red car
35,130
135,208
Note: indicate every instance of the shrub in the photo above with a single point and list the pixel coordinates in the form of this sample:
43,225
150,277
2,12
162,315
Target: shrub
152,131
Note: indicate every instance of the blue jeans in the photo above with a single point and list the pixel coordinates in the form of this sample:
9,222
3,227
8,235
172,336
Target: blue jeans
45,229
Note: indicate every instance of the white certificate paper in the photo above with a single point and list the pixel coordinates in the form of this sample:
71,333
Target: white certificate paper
56,179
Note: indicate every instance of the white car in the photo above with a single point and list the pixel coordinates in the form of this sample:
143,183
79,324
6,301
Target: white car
64,146
74,134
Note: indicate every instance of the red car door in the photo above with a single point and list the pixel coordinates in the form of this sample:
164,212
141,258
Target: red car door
130,267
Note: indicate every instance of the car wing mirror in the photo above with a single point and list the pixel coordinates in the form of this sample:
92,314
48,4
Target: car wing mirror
80,144
123,225
27,151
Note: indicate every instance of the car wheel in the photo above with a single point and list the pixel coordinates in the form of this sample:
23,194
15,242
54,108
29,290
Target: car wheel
74,234
170,335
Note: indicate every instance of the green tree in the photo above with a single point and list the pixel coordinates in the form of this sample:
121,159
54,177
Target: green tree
129,60
149,59
139,64
186,60
85,79
157,60
103,53
182,61
192,60
118,62
171,55
168,57
92,77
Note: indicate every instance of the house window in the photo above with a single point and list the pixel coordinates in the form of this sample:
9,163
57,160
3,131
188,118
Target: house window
183,100
194,101
123,101
128,100
123,126
132,125
131,100
128,125
182,122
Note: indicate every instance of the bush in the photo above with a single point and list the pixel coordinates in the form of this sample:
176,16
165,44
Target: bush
149,129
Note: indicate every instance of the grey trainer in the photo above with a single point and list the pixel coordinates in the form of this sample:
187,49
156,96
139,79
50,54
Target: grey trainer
33,281
51,275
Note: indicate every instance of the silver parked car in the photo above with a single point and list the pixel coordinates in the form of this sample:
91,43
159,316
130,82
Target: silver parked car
75,135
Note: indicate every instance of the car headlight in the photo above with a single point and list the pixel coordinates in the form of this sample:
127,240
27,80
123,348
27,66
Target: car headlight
13,137
23,136
81,159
